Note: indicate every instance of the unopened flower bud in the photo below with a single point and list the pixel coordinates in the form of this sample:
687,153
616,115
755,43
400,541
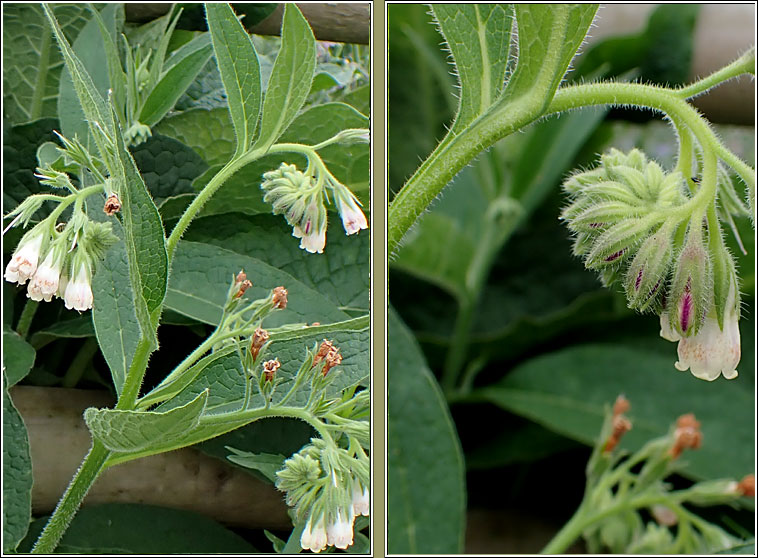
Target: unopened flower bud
269,369
691,285
646,277
280,298
664,515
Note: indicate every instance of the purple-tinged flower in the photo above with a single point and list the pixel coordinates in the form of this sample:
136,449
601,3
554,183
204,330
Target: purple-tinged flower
314,535
23,264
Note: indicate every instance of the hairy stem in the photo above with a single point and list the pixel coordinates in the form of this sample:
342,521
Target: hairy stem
68,505
27,315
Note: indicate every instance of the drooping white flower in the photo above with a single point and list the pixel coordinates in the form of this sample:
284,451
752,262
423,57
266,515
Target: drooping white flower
361,501
23,264
339,533
713,351
312,228
314,535
667,331
44,283
353,219
78,295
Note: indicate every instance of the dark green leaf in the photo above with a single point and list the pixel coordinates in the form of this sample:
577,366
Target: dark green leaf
31,61
208,132
425,469
566,391
200,278
142,529
267,463
18,356
17,475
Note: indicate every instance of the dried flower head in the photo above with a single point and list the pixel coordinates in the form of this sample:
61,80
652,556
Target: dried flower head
269,369
323,350
280,298
746,486
112,204
332,359
621,405
242,287
260,337
687,435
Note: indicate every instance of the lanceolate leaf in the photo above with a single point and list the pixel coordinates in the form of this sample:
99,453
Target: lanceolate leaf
128,431
478,36
173,84
240,71
291,76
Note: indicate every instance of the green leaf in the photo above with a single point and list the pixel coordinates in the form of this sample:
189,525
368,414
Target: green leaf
76,327
208,132
479,38
31,61
18,356
359,99
17,474
174,82
142,529
267,463
291,77
238,64
113,314
19,161
567,390
116,76
341,273
144,240
84,81
548,38
425,468
200,279
167,166
130,431
747,548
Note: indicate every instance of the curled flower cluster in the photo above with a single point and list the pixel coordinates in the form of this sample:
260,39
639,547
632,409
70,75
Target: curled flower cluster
329,487
60,264
632,224
300,198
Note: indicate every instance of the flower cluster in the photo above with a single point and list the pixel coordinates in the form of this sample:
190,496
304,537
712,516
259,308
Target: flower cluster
638,225
60,263
328,487
300,198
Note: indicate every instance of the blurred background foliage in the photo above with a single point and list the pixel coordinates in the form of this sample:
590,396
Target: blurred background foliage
545,346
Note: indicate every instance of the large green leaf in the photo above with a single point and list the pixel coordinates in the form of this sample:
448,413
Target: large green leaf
18,356
167,166
425,470
17,475
144,241
113,314
341,273
209,132
222,375
200,279
479,37
31,61
240,71
142,529
566,391
291,76
131,431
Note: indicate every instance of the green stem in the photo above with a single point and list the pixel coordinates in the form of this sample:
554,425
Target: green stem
133,381
27,315
583,519
217,181
68,505
744,64
80,362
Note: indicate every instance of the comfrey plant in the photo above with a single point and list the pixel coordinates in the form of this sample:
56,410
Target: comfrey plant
520,330
621,487
102,247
